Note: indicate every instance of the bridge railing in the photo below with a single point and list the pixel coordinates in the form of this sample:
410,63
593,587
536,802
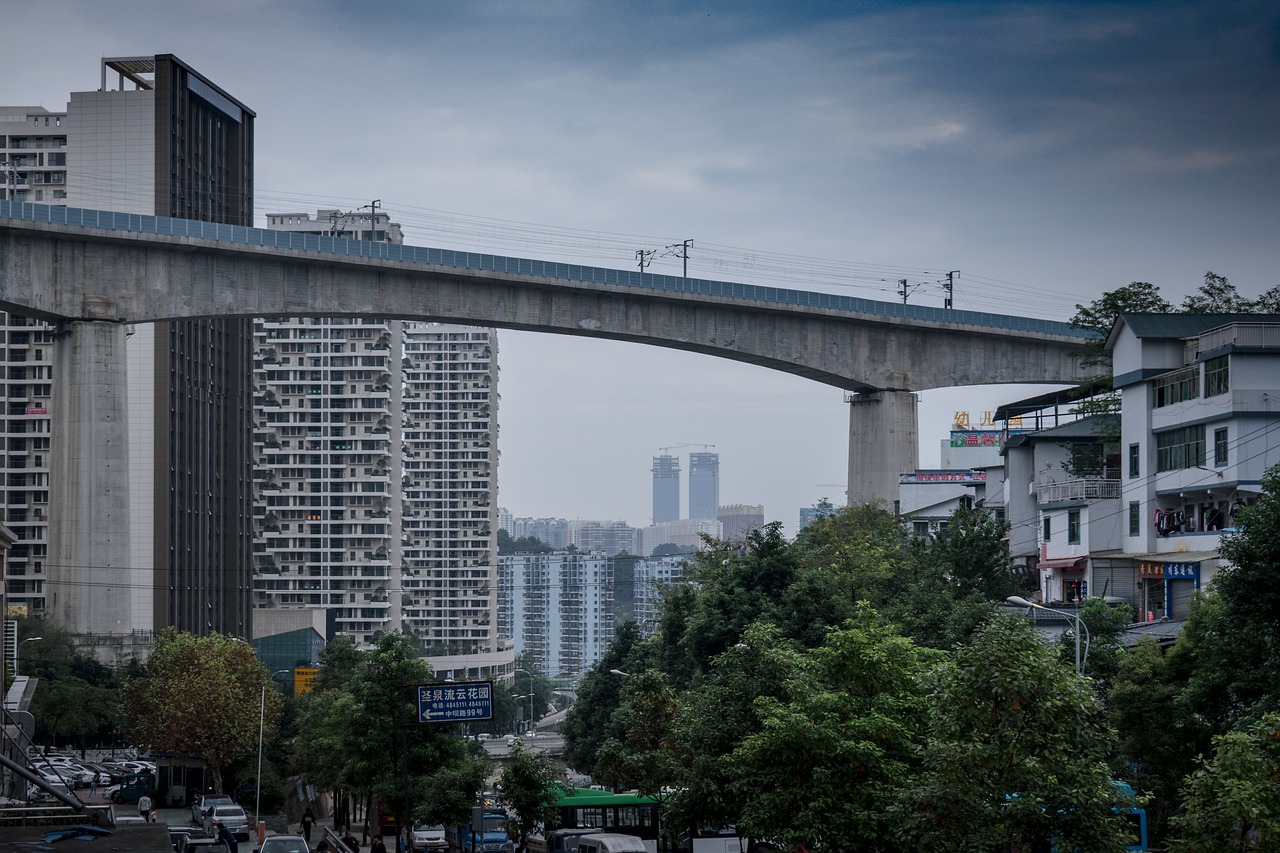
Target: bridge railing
578,273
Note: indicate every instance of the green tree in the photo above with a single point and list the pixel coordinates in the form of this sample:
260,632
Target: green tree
1233,799
1138,297
200,697
359,736
973,553
1250,586
77,699
589,721
531,784
1217,296
836,749
717,713
1105,624
1155,751
1016,753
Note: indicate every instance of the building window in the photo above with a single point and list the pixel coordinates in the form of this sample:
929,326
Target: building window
1176,387
1217,376
1180,448
1133,461
1135,520
1073,527
1220,447
1048,528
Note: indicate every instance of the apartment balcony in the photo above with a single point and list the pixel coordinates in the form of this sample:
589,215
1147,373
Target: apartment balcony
1089,489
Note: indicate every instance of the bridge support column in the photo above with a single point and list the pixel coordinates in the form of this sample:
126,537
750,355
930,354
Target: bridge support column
89,587
883,442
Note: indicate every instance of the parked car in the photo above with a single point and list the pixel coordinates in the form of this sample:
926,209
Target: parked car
205,844
230,816
284,844
200,808
429,838
179,834
37,794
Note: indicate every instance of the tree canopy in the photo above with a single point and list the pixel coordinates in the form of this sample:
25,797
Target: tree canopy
358,733
202,697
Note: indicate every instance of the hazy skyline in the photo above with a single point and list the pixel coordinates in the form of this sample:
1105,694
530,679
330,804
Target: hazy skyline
1048,151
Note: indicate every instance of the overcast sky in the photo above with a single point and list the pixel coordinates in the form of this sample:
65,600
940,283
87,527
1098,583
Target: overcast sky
1048,151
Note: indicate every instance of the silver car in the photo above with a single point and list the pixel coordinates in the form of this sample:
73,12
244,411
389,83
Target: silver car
232,817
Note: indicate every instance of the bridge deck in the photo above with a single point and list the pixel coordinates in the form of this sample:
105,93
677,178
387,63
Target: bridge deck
577,273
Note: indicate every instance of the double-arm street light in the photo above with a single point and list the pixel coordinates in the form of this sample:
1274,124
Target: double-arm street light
1081,628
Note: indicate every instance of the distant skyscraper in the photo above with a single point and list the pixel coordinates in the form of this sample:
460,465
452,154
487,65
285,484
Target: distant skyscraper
666,488
740,519
704,485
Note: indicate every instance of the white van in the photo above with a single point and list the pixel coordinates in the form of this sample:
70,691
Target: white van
611,842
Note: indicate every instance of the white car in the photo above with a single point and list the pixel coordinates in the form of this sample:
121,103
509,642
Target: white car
429,838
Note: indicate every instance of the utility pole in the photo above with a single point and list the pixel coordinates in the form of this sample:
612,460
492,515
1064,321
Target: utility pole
681,251
902,289
950,287
645,257
373,216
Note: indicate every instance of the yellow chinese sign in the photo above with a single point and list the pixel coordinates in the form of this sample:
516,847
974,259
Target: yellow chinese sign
303,679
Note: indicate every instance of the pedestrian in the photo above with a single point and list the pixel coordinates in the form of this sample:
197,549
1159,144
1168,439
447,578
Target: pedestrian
307,820
227,837
377,845
350,840
323,846
144,807
93,783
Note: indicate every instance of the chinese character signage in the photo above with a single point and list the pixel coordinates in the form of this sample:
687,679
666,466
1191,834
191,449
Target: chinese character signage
455,703
303,679
944,477
977,438
1182,570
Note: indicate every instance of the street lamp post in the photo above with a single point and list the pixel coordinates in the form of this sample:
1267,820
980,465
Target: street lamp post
15,652
530,674
262,709
1081,628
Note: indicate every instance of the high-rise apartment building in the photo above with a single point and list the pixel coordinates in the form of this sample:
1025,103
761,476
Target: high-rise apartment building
651,578
156,137
376,451
666,488
558,608
704,484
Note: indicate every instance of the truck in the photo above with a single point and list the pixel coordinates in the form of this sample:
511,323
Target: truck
486,833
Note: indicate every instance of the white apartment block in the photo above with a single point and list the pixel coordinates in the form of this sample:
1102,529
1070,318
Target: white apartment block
652,578
605,537
375,464
558,608
685,534
33,167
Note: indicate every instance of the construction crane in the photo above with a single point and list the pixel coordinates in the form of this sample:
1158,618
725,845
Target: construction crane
686,444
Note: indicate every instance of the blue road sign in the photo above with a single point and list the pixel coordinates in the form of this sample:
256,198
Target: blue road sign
455,702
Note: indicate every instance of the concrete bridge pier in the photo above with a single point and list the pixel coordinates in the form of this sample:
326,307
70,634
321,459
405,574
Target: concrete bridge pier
88,587
883,442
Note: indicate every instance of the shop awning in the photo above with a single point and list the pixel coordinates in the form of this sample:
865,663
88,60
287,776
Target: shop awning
1065,564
